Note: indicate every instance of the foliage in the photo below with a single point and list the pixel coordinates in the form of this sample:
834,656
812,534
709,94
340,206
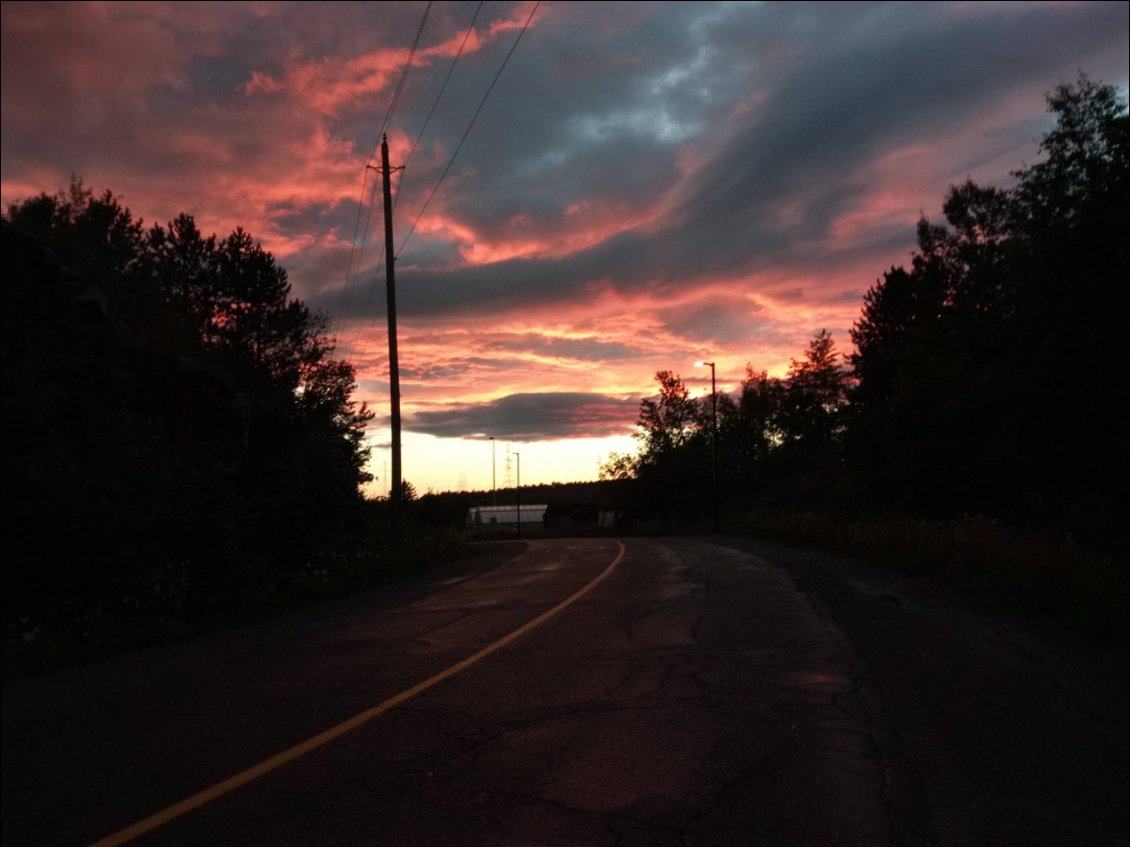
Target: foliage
179,443
774,427
813,402
993,563
670,421
989,372
673,433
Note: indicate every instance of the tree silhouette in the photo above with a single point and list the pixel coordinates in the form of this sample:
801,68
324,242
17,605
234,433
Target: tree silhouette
670,421
179,442
671,471
754,430
989,372
811,417
988,375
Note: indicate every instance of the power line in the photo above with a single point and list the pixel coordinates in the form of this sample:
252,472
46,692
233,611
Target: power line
358,248
403,78
343,302
361,337
364,334
366,331
365,174
467,132
416,143
435,103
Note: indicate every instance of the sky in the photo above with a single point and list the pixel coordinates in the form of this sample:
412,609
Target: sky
644,185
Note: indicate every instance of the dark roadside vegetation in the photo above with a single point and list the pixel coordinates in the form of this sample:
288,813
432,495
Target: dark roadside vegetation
181,451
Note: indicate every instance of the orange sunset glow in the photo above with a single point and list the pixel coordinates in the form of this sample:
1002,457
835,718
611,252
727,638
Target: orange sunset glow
644,186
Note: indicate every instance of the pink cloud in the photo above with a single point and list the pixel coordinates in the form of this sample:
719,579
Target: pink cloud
332,84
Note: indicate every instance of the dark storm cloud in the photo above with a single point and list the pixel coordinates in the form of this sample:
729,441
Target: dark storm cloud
751,128
520,283
589,112
895,77
714,324
457,367
841,88
577,349
531,417
322,273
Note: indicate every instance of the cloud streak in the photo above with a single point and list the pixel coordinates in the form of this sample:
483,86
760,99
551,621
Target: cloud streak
531,417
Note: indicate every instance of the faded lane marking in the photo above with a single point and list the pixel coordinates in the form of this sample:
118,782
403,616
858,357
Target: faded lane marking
201,798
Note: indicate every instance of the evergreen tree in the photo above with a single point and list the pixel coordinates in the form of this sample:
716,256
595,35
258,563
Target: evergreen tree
811,417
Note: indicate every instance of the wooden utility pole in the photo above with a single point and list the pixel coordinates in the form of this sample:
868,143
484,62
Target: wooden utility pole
714,442
396,491
713,437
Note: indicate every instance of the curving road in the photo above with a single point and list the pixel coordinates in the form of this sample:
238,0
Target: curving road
588,691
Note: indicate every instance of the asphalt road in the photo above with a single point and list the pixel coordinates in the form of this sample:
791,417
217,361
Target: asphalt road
694,692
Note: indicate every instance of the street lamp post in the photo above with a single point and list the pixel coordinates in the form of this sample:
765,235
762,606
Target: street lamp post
518,493
713,438
493,479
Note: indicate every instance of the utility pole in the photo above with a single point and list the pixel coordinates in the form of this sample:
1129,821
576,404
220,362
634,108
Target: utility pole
396,491
713,438
518,493
714,442
493,479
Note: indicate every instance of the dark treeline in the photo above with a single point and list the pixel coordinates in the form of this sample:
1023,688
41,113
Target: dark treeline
179,444
988,378
780,439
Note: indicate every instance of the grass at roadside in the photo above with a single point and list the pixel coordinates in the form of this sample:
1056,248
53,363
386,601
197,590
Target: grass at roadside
76,630
997,564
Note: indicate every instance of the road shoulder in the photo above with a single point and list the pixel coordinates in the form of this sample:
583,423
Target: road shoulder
1015,732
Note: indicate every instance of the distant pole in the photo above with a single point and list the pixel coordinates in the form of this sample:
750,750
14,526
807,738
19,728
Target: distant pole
518,493
713,439
396,492
493,478
714,443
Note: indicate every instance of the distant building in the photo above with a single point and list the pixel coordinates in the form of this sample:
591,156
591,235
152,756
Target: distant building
581,515
505,517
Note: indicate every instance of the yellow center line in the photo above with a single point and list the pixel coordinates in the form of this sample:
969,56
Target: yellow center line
197,800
